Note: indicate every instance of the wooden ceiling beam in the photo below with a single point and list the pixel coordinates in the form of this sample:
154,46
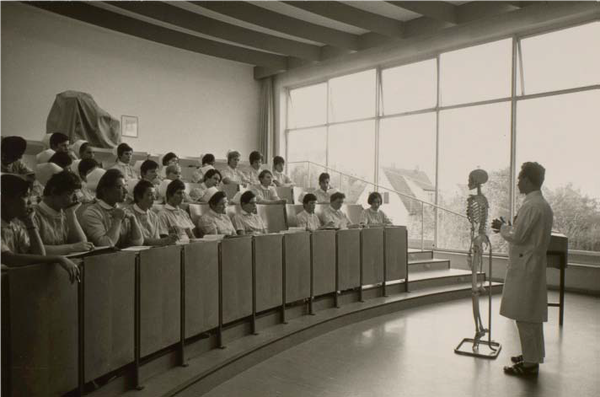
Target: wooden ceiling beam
85,12
352,16
439,10
176,16
281,23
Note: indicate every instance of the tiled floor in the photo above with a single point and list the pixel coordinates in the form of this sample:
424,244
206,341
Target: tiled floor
410,353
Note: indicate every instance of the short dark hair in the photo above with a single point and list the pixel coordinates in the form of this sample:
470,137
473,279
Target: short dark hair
278,160
255,156
83,147
168,157
308,198
174,186
263,173
62,182
108,180
208,159
57,138
373,196
210,173
231,155
218,196
247,196
324,176
534,172
14,146
148,165
13,186
336,196
86,165
61,159
140,189
122,148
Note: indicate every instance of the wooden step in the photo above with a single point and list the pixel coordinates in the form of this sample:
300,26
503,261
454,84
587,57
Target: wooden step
438,278
428,264
416,255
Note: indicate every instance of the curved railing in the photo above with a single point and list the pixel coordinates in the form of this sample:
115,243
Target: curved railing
422,217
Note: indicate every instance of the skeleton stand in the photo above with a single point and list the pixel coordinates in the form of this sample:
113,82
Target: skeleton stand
477,213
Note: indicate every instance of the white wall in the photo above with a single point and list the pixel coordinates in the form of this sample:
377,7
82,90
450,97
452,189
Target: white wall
186,102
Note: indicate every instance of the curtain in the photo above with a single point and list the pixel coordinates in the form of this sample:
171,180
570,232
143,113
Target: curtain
267,119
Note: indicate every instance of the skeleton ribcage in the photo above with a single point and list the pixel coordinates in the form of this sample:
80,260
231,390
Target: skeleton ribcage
477,212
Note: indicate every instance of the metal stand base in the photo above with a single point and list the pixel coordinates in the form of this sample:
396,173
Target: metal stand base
491,350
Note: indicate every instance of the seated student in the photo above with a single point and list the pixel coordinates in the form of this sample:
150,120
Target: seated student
256,161
172,218
265,192
21,242
62,159
307,217
373,216
149,172
248,221
59,142
103,222
124,153
208,163
204,192
324,192
279,178
231,173
86,151
170,159
215,220
55,216
143,199
173,172
86,167
13,148
333,217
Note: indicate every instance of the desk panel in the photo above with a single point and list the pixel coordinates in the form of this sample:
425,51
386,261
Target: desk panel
323,243
273,215
396,246
372,255
297,263
237,278
269,289
348,250
43,331
160,298
201,287
109,312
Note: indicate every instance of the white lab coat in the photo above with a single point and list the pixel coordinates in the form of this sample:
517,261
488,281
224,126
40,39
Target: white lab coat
525,297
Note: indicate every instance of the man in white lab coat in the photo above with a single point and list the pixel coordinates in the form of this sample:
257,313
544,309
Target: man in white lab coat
524,297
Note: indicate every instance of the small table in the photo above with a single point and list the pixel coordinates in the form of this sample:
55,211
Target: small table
558,258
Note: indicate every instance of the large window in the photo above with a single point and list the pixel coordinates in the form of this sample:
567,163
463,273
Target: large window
416,132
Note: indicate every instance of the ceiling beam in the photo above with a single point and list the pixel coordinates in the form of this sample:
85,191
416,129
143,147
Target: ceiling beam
282,23
351,16
212,27
439,10
134,27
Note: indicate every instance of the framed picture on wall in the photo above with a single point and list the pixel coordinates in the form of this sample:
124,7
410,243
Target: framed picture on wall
129,126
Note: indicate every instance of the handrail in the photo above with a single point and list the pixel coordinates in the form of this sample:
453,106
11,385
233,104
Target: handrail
380,186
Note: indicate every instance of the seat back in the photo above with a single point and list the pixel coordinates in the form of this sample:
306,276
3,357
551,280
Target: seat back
291,210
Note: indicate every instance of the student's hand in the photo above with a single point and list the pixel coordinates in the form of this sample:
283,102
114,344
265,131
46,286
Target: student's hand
82,246
71,268
73,208
28,218
170,239
119,214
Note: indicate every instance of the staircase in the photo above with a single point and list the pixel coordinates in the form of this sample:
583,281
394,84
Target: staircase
425,272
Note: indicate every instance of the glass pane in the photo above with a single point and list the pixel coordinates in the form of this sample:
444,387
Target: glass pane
562,134
352,151
352,97
564,59
308,106
409,87
471,138
305,145
476,73
407,165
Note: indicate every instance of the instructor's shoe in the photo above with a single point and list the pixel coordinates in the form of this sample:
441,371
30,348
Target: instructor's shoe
517,359
521,370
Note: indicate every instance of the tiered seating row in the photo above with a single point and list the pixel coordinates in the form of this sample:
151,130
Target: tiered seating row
131,305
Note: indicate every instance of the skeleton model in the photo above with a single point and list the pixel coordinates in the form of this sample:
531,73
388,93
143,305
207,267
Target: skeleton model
477,213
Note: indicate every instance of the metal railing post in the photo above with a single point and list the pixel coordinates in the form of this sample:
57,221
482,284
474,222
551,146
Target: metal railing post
422,226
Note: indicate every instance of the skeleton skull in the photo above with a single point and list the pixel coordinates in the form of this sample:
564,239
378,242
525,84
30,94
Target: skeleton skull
477,178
